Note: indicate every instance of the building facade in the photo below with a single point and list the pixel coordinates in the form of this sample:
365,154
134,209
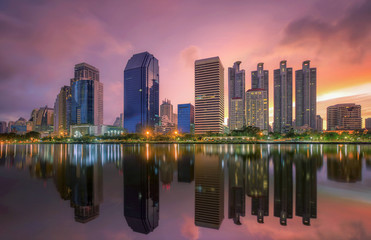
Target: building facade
3,127
257,108
306,96
209,96
344,117
282,98
86,96
319,123
186,118
62,111
368,123
141,93
260,79
166,109
236,96
42,119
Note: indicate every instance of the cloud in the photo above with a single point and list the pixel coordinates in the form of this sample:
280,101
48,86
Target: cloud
189,55
348,37
189,230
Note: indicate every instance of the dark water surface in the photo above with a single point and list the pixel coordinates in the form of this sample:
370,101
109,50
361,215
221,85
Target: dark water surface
179,191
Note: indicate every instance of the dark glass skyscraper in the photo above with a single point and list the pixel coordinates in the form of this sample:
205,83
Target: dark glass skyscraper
282,98
306,96
141,93
186,118
236,96
86,96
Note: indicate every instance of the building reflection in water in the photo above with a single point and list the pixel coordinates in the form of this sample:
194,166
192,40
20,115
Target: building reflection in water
141,188
257,183
209,190
186,163
167,162
344,164
306,184
236,196
283,184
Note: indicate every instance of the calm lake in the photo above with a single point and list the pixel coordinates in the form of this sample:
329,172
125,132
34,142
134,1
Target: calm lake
180,191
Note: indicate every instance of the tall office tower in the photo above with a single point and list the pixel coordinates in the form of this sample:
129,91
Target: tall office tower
141,189
166,109
319,123
282,98
62,111
367,123
283,187
209,96
257,108
257,185
236,196
10,124
209,191
344,117
86,96
42,119
3,127
236,96
306,188
186,118
85,182
306,96
141,93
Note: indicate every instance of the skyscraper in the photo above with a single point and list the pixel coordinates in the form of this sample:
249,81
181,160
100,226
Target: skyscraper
209,191
86,96
319,123
260,79
236,96
367,123
3,127
344,117
141,93
186,118
42,119
62,111
306,96
257,108
282,98
166,109
209,96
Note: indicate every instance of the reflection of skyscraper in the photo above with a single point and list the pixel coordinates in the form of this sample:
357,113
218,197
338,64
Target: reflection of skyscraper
257,186
345,165
141,92
306,188
166,170
283,203
141,190
236,197
86,182
209,191
186,167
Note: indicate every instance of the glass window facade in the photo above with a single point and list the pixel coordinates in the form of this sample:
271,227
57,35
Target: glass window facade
185,118
82,102
141,93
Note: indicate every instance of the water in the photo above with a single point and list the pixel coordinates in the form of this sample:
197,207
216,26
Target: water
178,191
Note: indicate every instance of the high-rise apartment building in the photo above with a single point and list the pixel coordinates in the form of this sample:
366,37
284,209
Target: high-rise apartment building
62,111
344,117
260,79
186,118
257,108
42,119
141,93
368,123
236,96
209,96
86,96
306,96
319,123
282,98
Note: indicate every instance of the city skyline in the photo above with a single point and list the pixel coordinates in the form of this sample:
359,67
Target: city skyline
335,43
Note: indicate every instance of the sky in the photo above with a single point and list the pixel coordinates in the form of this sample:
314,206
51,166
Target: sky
42,40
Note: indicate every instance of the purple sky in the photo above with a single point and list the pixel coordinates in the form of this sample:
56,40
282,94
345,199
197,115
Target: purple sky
42,40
